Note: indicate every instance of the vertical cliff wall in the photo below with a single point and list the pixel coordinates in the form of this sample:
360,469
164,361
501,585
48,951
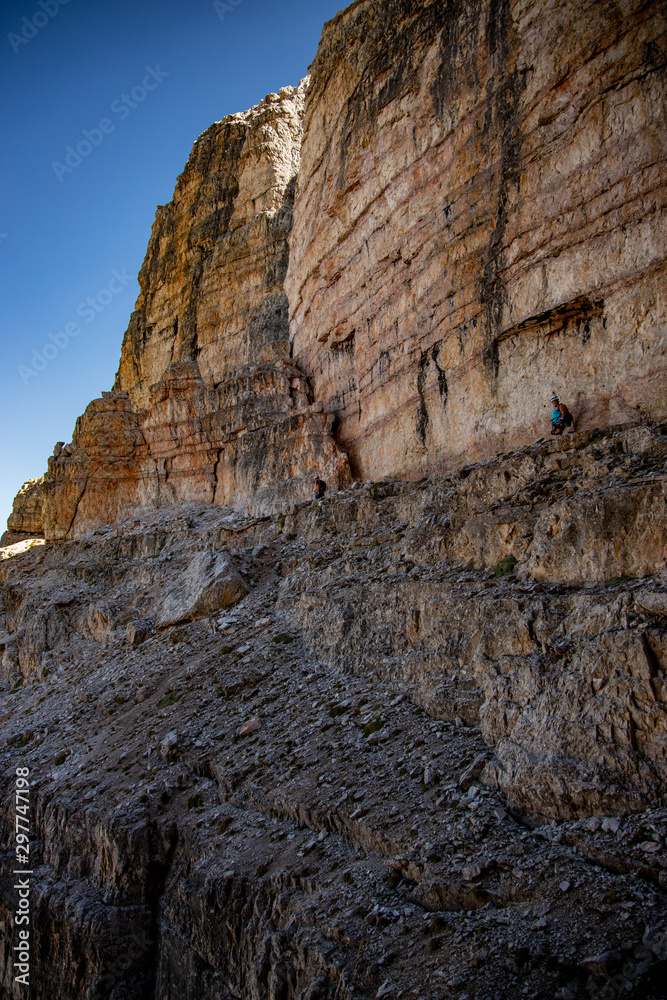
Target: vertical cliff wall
411,740
207,404
26,520
479,221
212,279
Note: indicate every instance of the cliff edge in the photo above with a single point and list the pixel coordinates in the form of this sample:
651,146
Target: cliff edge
394,265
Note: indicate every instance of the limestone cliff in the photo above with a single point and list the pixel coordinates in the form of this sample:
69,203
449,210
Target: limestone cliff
480,220
207,404
212,280
26,519
409,741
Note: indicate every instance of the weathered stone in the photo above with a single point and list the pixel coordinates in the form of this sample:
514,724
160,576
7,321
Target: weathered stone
578,727
480,210
25,520
207,404
168,744
139,631
479,220
210,582
654,605
249,727
473,772
207,850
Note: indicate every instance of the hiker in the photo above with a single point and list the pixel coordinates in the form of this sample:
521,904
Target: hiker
560,417
320,488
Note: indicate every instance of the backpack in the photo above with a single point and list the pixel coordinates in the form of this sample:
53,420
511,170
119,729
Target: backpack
321,489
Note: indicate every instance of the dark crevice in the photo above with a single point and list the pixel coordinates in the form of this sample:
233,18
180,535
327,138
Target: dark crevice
158,872
579,310
422,411
503,100
443,388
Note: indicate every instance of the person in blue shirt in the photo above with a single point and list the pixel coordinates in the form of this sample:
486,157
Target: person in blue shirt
560,416
320,488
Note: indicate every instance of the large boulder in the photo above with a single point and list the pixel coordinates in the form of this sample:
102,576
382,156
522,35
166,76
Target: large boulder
210,582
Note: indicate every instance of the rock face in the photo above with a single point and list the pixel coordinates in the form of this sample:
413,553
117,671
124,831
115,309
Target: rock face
409,740
428,746
26,520
212,280
480,220
207,403
209,584
563,674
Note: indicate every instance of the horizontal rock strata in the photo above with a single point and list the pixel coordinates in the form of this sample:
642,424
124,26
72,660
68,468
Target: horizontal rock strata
480,220
26,519
207,404
409,740
253,440
410,755
564,676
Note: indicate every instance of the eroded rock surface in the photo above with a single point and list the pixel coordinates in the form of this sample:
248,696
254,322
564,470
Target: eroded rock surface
26,520
409,741
411,761
480,220
207,404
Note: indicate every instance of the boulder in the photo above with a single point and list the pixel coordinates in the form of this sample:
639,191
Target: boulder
210,582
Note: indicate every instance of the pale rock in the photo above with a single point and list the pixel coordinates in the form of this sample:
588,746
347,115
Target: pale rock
462,245
169,744
652,604
97,623
480,209
210,582
249,727
26,519
208,404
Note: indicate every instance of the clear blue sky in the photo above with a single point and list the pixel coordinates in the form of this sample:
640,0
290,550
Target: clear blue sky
64,67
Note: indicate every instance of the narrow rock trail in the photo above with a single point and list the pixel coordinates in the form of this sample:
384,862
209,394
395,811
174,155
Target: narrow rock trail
434,796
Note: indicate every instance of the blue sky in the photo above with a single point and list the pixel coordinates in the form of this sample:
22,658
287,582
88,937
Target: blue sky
75,222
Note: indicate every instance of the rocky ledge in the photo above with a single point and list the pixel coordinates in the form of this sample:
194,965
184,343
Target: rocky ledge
405,742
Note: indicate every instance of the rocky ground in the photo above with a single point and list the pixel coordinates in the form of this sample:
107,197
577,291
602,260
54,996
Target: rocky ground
405,742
